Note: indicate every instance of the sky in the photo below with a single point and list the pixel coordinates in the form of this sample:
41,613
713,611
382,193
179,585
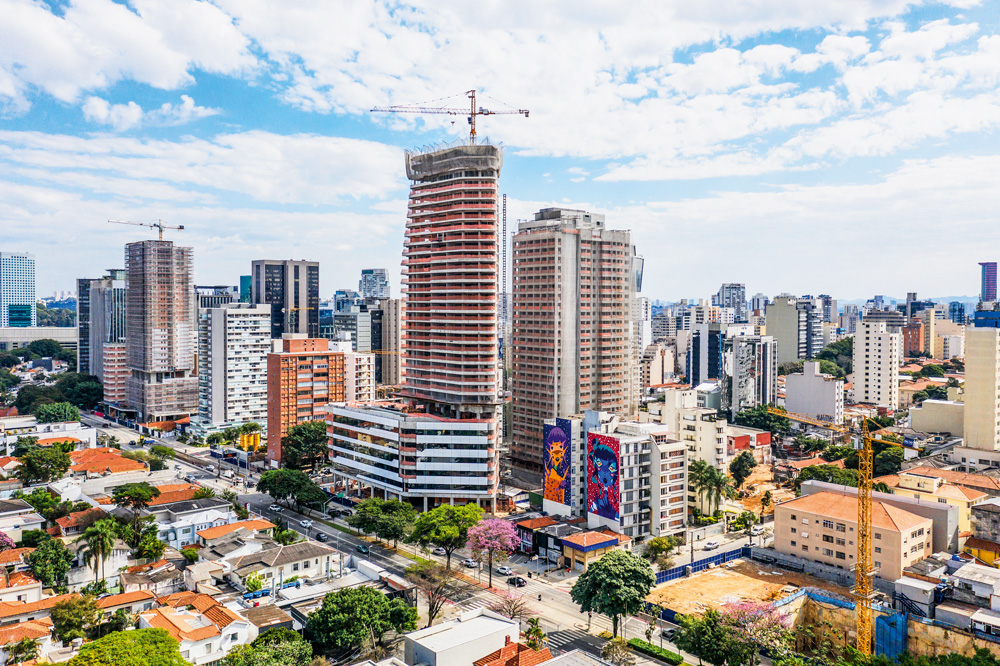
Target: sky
848,147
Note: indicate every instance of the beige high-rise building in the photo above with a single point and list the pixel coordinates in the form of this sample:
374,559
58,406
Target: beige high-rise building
391,341
931,343
574,289
877,357
160,340
982,389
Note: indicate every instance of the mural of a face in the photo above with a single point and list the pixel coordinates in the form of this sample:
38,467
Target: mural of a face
602,476
556,462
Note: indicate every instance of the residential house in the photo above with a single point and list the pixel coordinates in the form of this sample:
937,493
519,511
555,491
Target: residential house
13,560
14,612
133,602
160,578
19,586
72,525
268,616
8,465
82,572
987,484
39,631
257,526
460,641
205,629
935,489
822,527
101,462
15,526
179,522
305,559
583,549
13,428
514,654
235,544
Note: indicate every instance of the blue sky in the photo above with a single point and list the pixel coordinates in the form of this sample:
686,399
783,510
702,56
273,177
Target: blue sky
848,148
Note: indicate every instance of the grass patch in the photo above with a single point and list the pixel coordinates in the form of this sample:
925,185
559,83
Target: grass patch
655,651
606,635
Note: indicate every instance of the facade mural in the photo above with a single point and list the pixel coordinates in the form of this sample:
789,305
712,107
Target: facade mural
603,461
556,450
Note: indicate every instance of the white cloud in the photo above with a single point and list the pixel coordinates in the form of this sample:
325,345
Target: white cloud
122,117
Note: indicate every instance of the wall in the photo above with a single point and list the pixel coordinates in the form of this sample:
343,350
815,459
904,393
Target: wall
926,637
938,416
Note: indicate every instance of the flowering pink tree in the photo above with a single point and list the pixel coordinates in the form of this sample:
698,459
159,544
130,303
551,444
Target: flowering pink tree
758,624
6,543
495,539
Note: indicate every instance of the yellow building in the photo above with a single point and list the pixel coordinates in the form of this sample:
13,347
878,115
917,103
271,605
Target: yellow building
986,551
583,549
936,489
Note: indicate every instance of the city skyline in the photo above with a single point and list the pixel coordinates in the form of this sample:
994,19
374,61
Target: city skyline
706,133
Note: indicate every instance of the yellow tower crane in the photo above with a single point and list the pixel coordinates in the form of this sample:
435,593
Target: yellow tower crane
864,571
471,112
152,225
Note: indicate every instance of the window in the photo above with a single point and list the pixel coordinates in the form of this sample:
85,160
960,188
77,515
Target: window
827,538
827,552
805,548
794,517
840,542
234,637
841,527
827,524
878,535
942,500
305,565
295,567
794,530
793,544
841,556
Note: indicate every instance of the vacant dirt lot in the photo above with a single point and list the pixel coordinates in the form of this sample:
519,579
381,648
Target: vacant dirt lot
744,581
760,481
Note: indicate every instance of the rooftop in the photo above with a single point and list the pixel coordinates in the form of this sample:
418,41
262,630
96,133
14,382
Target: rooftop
978,573
102,460
845,508
469,627
980,481
537,523
126,598
222,530
514,654
15,608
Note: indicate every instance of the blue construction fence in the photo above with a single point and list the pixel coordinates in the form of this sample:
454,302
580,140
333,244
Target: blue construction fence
701,565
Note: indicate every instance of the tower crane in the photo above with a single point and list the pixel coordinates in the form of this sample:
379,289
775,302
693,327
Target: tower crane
864,571
471,112
152,225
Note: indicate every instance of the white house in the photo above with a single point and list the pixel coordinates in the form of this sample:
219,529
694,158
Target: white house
205,629
13,428
178,523
305,559
82,574
38,631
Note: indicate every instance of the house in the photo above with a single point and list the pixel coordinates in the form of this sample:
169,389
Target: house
101,462
160,578
981,582
788,470
13,612
205,629
14,526
82,573
235,544
13,559
252,526
935,489
8,464
514,654
526,531
39,631
203,577
73,524
20,586
757,442
822,527
583,549
133,602
460,641
982,482
175,492
13,428
267,617
179,522
305,559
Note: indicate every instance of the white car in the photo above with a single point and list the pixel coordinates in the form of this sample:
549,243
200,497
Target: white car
306,523
711,544
470,563
440,551
505,571
275,508
757,530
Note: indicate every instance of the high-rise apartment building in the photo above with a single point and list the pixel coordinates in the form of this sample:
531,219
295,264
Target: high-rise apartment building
988,281
160,340
704,354
374,283
442,444
956,312
216,296
913,338
291,288
732,295
796,324
83,325
750,372
246,286
878,353
573,333
106,333
829,308
391,341
233,342
17,290
982,389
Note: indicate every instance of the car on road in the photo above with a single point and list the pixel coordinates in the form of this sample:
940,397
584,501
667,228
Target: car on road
322,537
177,466
362,548
189,478
757,530
306,523
275,508
505,571
711,544
210,468
469,563
440,551
668,633
516,581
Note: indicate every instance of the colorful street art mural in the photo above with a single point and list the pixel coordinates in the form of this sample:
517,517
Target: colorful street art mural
556,458
602,475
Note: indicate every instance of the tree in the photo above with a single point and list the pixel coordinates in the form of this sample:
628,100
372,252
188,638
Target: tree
356,616
42,465
617,652
758,626
615,585
535,636
162,452
698,475
282,484
718,486
832,453
439,585
190,554
81,390
32,396
100,542
765,502
71,618
32,538
889,461
50,562
149,548
58,412
660,546
829,474
253,582
495,539
305,445
704,637
142,647
204,492
761,419
513,606
25,649
44,348
135,497
742,467
446,526
6,543
281,653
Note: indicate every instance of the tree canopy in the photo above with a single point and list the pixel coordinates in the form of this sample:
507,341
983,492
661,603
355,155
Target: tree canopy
495,539
758,417
57,412
357,616
135,497
50,562
141,647
71,618
615,585
446,526
284,484
82,390
386,519
742,467
305,445
42,465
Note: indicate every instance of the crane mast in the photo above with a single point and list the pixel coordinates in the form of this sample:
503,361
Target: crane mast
864,571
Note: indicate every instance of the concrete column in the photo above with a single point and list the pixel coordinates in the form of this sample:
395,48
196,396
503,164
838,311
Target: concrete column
425,503
453,500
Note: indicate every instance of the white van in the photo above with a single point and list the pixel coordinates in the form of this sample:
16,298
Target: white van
228,474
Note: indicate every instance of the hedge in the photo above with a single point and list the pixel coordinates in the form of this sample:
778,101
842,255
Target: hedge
656,651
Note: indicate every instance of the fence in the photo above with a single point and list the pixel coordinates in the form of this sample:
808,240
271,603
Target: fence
701,565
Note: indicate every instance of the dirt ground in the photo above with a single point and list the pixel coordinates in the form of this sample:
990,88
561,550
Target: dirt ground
741,580
760,481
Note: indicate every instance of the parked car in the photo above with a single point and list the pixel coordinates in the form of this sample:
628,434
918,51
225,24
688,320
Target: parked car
505,571
306,523
275,508
322,537
668,633
440,551
711,544
757,530
469,563
210,468
516,581
362,548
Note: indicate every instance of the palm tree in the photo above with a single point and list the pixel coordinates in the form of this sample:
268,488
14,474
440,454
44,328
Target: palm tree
100,541
535,636
698,474
718,485
25,649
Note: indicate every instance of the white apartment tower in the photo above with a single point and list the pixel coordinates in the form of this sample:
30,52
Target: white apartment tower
982,389
233,343
17,289
877,356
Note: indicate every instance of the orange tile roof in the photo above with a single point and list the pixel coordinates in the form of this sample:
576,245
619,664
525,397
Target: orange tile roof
537,523
987,483
185,492
101,460
78,517
14,556
584,539
222,530
48,441
179,624
125,598
17,579
845,508
7,460
13,633
8,411
13,608
514,654
147,567
622,538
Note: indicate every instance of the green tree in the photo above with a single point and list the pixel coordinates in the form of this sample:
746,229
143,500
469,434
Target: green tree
660,546
149,548
81,390
832,453
765,501
71,618
889,461
134,497
58,412
32,538
840,352
535,637
718,486
742,467
253,582
615,585
42,465
760,418
100,542
357,616
31,397
698,476
142,647
204,492
162,452
446,526
284,653
829,474
305,445
704,637
283,484
50,562
190,554
45,347
40,499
